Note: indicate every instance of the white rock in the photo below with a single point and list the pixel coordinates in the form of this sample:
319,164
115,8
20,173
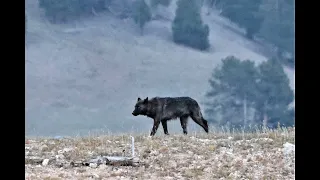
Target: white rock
59,156
267,139
45,162
93,165
230,137
288,148
65,150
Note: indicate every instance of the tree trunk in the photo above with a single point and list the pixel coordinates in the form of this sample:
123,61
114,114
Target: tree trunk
265,116
265,120
244,111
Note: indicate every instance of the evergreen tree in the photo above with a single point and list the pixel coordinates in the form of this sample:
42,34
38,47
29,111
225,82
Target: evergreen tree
244,13
142,14
187,26
64,10
278,26
275,95
239,86
234,84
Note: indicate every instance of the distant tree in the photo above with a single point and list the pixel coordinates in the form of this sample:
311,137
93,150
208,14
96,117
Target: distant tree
278,26
64,10
244,13
271,20
275,95
187,26
142,14
165,3
239,86
233,86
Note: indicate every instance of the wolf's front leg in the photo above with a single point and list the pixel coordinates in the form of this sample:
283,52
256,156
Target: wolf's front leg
156,123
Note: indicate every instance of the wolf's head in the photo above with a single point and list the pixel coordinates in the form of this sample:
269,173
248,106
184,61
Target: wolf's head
141,107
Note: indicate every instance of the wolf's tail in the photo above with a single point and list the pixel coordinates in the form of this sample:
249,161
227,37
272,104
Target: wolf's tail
205,122
206,127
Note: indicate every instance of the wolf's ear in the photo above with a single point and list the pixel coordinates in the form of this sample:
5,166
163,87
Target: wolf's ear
139,99
145,100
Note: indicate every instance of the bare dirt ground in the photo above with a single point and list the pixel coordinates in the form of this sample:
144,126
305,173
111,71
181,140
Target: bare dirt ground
218,155
86,75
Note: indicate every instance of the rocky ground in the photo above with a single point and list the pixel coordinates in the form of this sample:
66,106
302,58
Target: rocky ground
227,155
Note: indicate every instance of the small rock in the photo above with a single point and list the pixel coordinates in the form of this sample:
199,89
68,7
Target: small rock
93,165
67,149
45,162
288,148
230,138
59,156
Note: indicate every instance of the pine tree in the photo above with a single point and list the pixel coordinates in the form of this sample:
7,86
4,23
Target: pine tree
275,94
234,83
239,86
142,14
187,26
278,26
244,13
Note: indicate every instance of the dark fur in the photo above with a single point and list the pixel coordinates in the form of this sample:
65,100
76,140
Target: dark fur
162,109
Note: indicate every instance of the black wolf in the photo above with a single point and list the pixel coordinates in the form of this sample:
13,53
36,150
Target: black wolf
162,109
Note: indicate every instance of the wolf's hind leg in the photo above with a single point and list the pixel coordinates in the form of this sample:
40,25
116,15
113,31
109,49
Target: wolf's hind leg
184,122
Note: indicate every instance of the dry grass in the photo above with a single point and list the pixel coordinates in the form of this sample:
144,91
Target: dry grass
217,155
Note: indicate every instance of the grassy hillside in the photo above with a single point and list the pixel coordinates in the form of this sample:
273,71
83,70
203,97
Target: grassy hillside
218,155
86,75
